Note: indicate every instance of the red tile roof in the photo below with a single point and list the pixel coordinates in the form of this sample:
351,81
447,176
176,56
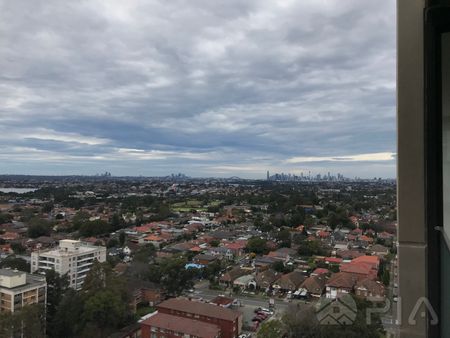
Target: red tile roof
320,271
203,309
185,325
333,260
372,260
342,280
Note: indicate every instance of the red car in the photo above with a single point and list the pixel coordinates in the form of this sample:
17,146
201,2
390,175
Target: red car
257,319
262,315
255,326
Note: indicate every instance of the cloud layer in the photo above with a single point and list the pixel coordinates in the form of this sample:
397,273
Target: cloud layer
206,88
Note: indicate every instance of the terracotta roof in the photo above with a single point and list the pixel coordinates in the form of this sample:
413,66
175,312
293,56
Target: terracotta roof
320,271
153,238
374,287
346,254
235,246
314,284
266,278
342,280
185,325
291,280
333,260
372,260
221,300
358,268
203,309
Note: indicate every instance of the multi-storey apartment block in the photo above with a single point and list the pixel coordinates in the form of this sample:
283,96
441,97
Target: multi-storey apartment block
73,258
18,289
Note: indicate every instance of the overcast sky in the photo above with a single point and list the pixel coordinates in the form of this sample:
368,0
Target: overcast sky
207,88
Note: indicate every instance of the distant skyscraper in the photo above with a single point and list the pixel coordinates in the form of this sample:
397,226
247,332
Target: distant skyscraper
268,176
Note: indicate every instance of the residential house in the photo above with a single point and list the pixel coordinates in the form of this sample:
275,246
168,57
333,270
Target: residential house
245,282
314,285
290,281
237,247
266,278
379,250
339,284
370,290
223,301
154,239
230,276
282,254
204,259
263,263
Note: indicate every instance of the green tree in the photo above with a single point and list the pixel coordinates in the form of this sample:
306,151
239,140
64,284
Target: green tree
105,300
5,218
38,227
257,245
68,321
173,275
94,228
26,323
122,238
271,329
14,262
214,243
303,322
284,238
18,248
56,286
145,253
113,242
79,219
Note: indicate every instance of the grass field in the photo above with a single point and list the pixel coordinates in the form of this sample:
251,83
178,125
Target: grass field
186,206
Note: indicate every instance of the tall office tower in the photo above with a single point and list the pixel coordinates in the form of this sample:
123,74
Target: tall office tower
72,257
268,176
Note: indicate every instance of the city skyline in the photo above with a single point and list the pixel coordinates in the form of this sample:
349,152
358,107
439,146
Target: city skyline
210,90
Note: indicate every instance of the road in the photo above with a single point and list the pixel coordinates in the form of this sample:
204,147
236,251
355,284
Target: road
202,291
389,320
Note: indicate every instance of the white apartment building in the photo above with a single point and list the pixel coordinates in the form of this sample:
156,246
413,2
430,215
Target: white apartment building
18,289
73,258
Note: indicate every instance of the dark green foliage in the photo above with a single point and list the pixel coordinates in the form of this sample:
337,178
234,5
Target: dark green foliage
38,227
5,218
94,228
310,248
56,287
112,243
173,275
257,245
302,322
145,253
271,329
14,262
68,321
214,243
284,238
122,238
26,323
99,309
18,248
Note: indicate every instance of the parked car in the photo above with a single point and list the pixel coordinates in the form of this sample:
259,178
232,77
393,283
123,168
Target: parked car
255,326
263,315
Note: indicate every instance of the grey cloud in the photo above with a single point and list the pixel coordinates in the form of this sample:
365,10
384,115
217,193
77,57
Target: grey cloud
242,80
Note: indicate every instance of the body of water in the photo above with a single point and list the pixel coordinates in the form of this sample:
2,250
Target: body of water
17,190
